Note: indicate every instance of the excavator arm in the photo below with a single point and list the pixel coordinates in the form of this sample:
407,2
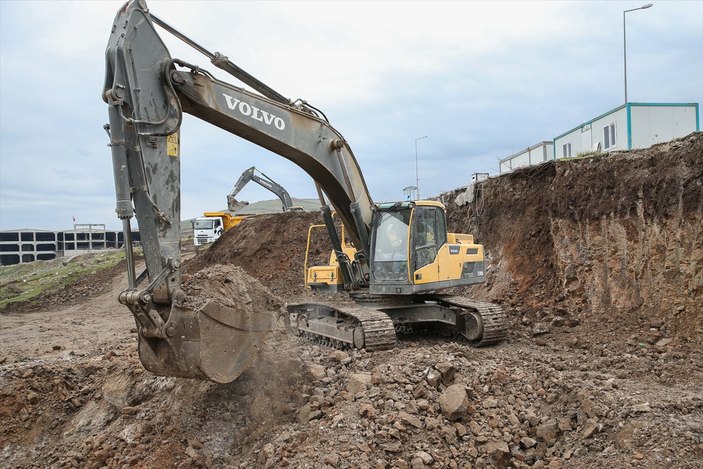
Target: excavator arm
243,180
264,181
147,92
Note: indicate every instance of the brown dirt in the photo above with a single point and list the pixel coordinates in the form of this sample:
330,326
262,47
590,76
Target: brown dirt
597,261
271,248
615,242
229,286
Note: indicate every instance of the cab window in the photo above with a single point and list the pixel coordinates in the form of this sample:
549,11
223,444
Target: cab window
203,225
390,246
430,234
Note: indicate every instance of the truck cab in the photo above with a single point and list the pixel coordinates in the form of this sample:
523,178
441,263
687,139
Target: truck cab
207,230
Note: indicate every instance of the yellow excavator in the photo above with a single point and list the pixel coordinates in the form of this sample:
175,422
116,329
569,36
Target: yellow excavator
402,253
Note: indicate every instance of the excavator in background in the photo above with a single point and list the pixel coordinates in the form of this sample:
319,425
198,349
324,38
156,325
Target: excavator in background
264,181
208,228
402,252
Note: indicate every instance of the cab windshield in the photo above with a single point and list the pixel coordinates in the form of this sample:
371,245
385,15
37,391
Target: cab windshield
390,251
202,225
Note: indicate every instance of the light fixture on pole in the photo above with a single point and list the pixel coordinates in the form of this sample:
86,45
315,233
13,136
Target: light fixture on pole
409,192
624,41
417,174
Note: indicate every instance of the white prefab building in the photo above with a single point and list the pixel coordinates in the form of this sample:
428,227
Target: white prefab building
632,125
535,154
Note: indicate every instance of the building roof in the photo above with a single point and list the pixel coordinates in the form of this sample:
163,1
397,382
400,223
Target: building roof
537,145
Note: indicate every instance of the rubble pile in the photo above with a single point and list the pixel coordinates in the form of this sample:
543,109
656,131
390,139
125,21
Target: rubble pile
430,403
444,405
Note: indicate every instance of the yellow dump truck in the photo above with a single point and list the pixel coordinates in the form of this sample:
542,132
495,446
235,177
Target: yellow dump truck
209,227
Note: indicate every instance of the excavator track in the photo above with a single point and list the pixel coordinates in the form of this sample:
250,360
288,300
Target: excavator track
359,326
493,323
344,326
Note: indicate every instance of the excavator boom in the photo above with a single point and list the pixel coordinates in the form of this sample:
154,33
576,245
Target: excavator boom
303,138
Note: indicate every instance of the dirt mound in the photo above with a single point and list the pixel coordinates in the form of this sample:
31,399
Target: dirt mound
615,239
107,411
270,248
228,286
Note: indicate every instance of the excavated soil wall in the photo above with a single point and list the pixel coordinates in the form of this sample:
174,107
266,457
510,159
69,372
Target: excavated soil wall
616,236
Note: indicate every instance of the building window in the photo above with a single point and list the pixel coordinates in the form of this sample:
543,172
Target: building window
609,136
566,150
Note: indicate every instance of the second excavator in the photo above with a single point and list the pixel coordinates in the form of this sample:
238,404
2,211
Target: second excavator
402,253
253,174
208,228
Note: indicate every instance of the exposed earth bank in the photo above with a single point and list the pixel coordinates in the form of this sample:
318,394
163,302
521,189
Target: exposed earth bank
617,239
598,263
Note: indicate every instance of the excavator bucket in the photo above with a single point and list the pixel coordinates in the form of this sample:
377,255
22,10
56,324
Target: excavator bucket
214,342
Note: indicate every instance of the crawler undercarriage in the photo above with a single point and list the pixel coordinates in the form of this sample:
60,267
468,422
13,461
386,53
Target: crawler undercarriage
371,323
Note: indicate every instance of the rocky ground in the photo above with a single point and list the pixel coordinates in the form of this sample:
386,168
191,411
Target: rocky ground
603,365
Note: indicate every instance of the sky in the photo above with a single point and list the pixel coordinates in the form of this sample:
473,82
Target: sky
481,80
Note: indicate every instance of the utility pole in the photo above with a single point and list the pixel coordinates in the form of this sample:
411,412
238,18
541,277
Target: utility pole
624,41
417,174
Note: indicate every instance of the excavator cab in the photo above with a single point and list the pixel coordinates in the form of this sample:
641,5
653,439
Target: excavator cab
411,251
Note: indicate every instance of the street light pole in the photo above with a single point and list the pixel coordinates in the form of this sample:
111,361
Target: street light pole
624,42
417,174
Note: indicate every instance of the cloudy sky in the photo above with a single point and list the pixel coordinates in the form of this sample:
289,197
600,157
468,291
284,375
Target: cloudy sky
481,80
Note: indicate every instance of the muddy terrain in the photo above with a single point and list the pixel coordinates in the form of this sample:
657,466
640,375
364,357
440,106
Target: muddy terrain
597,261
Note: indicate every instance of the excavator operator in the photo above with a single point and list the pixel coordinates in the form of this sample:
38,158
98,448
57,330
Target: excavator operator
395,246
